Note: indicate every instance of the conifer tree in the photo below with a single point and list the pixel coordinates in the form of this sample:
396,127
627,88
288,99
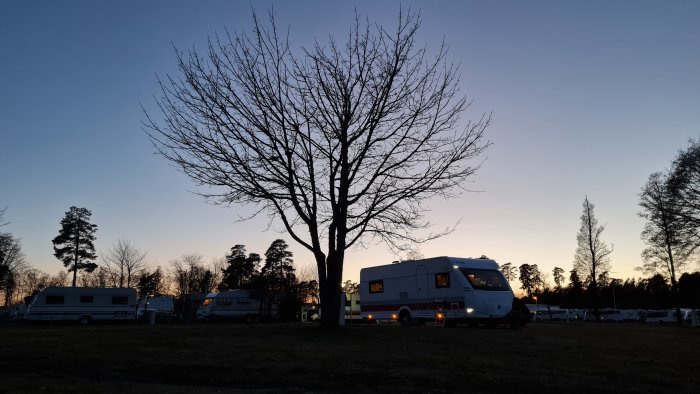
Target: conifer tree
74,243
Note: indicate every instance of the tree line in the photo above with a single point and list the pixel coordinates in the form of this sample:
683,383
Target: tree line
272,277
670,206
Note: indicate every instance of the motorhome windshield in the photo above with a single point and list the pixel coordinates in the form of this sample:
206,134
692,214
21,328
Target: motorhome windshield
485,279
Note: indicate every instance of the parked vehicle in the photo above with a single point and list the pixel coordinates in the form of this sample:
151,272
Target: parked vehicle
229,305
83,304
667,316
460,290
162,306
556,314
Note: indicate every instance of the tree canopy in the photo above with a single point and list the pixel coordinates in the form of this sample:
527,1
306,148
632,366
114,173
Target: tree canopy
341,143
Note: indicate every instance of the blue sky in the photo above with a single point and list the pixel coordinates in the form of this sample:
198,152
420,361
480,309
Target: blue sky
588,98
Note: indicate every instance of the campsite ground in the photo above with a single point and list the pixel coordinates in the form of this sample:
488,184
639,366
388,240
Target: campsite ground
228,357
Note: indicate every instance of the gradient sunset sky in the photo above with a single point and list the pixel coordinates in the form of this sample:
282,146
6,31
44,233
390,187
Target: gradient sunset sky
588,99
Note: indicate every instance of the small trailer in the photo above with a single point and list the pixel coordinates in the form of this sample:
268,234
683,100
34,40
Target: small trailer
444,289
83,304
162,308
229,305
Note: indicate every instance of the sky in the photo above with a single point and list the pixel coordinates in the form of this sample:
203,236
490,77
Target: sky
588,99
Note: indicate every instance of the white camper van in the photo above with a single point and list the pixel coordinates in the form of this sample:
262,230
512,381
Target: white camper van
451,288
229,305
83,304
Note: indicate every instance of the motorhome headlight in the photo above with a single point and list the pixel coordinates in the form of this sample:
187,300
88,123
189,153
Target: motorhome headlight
470,310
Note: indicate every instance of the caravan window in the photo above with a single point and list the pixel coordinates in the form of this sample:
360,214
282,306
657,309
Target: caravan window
485,279
442,280
376,286
54,299
120,300
86,299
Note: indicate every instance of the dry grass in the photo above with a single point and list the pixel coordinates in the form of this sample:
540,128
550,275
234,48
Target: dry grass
304,358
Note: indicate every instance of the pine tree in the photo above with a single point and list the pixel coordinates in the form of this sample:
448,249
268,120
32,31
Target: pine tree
74,243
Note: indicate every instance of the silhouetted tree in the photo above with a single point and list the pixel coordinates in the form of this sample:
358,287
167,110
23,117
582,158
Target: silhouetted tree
558,274
665,233
509,271
240,270
191,277
658,292
351,287
530,278
689,289
684,186
342,143
11,262
574,296
124,262
277,274
74,243
150,283
592,256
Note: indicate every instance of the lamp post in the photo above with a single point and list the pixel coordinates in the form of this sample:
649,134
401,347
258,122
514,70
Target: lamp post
537,309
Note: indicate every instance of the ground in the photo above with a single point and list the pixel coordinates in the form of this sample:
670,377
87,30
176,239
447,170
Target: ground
228,357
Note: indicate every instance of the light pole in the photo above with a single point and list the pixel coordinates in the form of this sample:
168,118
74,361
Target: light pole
537,309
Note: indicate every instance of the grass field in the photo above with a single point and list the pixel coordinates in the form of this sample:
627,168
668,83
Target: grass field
228,357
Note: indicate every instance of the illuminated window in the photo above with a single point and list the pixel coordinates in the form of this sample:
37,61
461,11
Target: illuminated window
86,299
206,302
485,279
376,286
54,299
120,300
442,280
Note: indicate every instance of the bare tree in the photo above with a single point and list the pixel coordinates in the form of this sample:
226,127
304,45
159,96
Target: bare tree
124,262
2,217
11,261
592,257
191,276
666,234
683,183
341,143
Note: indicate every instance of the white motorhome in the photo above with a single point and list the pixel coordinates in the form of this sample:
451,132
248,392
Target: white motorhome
83,304
451,288
229,305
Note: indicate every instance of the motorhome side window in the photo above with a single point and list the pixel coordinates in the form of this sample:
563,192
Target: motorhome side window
54,299
442,280
86,299
376,286
119,300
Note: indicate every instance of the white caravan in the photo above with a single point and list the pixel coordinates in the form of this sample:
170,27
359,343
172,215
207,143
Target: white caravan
451,288
83,304
229,305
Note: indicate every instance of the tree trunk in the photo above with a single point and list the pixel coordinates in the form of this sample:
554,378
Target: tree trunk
330,288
